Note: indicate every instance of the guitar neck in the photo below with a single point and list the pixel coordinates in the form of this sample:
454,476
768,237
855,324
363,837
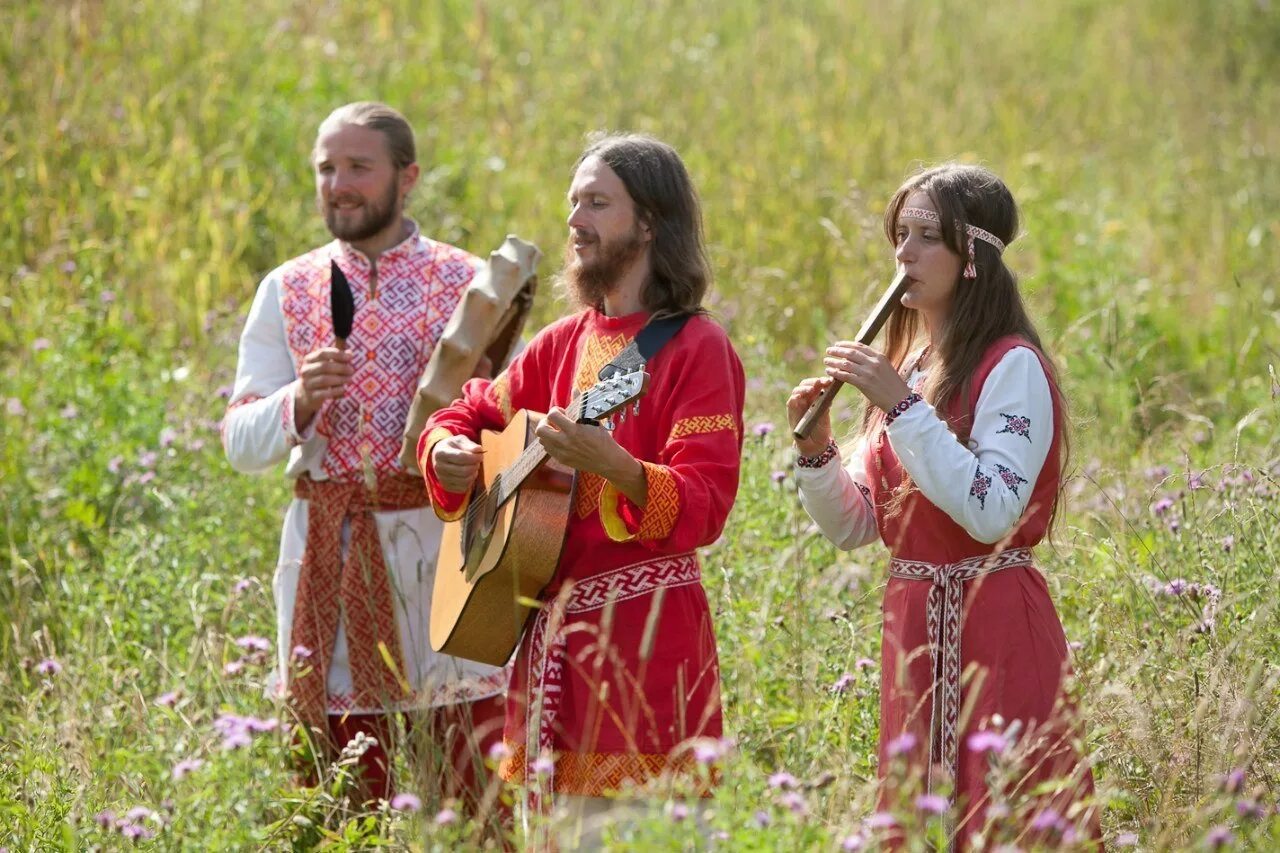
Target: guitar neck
509,481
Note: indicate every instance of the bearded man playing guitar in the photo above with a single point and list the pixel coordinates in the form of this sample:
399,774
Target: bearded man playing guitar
616,678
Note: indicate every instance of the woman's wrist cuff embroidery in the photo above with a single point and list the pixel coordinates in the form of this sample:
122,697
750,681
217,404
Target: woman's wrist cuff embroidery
819,459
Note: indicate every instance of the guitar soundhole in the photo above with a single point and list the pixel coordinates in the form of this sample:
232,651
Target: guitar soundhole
478,530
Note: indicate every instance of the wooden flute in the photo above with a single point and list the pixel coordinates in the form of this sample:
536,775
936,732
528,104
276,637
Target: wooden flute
867,334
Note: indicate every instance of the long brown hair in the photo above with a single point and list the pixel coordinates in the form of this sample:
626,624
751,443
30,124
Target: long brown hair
667,203
983,309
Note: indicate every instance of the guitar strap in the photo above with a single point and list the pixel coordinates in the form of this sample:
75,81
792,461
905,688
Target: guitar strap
645,346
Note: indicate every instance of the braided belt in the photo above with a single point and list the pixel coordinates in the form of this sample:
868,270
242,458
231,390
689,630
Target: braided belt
547,651
944,614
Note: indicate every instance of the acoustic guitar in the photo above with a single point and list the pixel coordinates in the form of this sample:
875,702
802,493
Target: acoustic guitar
497,559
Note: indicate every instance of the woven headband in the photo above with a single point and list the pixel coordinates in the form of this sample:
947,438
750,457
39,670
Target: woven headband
974,232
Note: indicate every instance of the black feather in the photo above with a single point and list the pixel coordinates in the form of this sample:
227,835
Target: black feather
341,302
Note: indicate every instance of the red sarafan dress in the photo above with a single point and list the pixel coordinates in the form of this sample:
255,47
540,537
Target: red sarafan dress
972,643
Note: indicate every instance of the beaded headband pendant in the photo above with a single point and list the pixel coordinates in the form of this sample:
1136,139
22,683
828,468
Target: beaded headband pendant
974,232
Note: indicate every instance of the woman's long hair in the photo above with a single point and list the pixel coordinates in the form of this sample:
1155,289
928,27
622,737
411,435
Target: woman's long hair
983,309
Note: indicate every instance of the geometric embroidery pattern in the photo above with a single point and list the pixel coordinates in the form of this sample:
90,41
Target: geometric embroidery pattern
354,589
1017,425
944,616
598,774
663,507
419,283
597,351
547,662
1010,478
702,424
979,488
587,499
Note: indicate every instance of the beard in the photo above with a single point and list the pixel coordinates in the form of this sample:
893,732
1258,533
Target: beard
589,282
373,218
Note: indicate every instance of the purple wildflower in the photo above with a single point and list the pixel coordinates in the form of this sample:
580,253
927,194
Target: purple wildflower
1250,809
1158,472
842,683
185,766
794,802
409,803
987,741
146,477
68,266
1195,482
168,436
138,813
852,843
1162,506
107,297
69,412
934,804
778,476
14,407
41,344
1047,819
1233,782
48,666
233,667
1228,543
133,832
881,820
904,742
114,463
1177,586
762,429
499,751
783,780
147,459
543,766
1219,836
706,752
863,663
105,818
254,643
445,817
167,700
762,819
225,391
1127,839
679,812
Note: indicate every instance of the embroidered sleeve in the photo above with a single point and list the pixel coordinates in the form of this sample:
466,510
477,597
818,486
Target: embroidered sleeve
258,428
692,483
838,499
986,486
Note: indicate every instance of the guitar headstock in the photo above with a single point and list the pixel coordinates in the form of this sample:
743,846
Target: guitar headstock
609,395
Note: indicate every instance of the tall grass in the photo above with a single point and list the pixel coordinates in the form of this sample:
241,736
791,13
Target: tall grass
153,164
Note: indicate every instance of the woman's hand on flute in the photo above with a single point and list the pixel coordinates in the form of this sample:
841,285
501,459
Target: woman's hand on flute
802,397
867,370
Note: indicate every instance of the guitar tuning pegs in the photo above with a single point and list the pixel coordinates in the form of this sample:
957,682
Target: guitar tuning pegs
607,423
635,408
622,415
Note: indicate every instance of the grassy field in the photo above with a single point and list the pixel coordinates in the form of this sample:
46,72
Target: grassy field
153,168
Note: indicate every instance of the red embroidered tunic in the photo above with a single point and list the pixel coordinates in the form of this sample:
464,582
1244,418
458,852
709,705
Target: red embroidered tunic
619,717
999,484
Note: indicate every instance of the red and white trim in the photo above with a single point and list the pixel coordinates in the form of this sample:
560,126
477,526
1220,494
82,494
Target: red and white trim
944,614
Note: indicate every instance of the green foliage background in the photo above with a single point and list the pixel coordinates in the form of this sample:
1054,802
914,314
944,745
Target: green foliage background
153,165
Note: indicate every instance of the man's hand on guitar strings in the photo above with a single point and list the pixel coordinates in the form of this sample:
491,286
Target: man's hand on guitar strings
456,461
587,447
